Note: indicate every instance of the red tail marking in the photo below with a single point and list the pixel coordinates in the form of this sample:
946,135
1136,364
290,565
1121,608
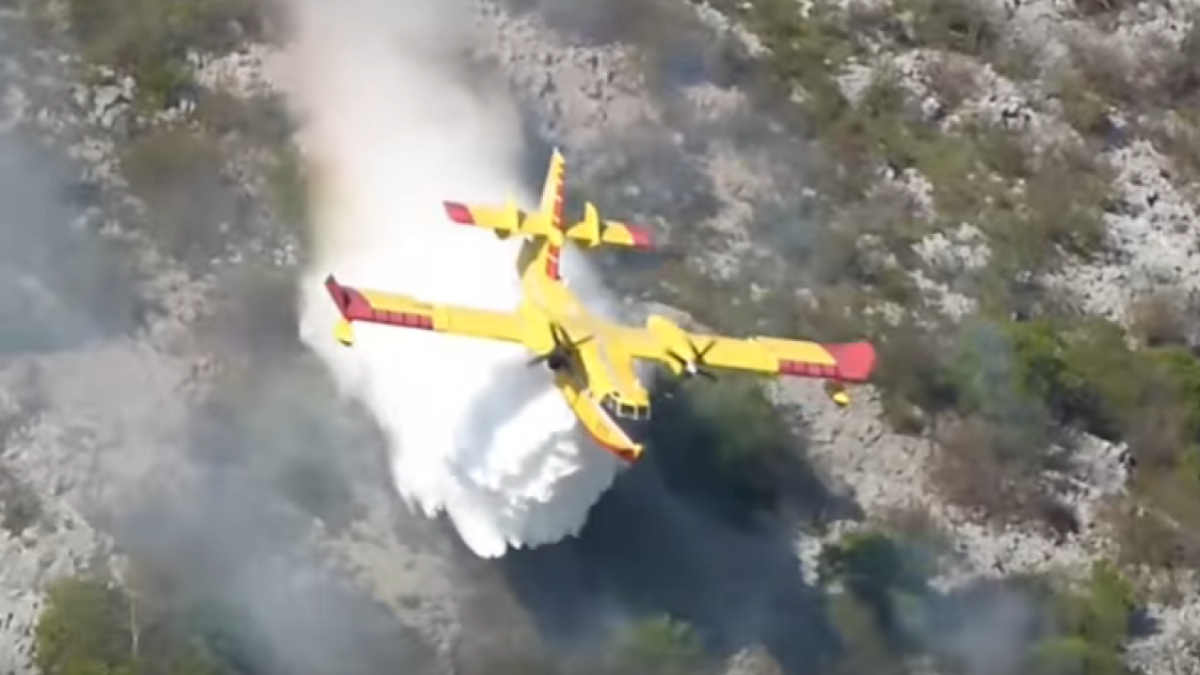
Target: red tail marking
641,236
552,263
459,213
559,197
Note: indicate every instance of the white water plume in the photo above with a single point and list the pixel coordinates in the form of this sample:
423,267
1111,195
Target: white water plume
391,127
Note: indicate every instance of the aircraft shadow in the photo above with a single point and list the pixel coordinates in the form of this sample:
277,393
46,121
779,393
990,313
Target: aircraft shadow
668,539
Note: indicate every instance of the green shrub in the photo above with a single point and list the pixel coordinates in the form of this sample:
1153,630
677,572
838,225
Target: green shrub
952,80
726,441
1087,628
1182,76
658,646
89,627
871,564
885,581
1073,656
289,188
1101,612
953,25
1083,108
1162,320
864,646
85,629
178,174
913,378
1150,538
259,119
985,465
149,39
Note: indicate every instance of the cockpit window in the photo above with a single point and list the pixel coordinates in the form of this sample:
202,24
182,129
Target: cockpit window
624,410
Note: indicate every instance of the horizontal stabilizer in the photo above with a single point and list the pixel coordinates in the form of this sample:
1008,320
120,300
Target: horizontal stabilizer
593,231
508,219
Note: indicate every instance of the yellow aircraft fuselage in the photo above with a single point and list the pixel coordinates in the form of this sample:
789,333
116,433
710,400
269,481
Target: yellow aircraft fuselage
597,378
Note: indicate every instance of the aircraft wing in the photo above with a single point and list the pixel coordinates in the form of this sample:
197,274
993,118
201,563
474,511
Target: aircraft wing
406,312
617,233
593,231
509,219
844,362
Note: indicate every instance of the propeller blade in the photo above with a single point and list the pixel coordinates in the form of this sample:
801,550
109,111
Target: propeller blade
708,374
702,352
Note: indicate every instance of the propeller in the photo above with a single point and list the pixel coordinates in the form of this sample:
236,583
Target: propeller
556,357
695,366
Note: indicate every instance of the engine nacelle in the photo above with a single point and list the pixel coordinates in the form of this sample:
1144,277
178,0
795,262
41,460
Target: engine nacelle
672,338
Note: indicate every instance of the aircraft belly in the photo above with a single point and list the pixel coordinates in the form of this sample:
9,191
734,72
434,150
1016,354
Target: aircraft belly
594,420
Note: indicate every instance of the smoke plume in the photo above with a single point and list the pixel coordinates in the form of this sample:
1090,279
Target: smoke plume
391,127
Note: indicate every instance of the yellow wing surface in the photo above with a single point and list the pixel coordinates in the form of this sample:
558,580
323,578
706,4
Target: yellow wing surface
590,231
680,350
405,312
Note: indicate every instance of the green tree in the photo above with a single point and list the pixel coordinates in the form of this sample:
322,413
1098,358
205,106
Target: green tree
149,39
85,629
1087,628
89,627
726,441
884,577
194,660
1074,656
865,648
658,646
1101,613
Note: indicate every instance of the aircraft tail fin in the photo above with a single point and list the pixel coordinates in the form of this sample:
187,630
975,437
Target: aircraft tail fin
509,219
592,230
554,191
546,224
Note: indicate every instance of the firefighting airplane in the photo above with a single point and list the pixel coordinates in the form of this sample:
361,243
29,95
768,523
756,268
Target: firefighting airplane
591,358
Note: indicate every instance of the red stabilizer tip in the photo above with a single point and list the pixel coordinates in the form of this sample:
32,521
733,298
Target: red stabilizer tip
641,236
459,213
340,297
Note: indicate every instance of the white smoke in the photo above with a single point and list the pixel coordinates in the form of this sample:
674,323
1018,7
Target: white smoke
391,128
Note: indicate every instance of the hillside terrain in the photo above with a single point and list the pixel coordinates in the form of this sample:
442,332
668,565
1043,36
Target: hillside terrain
1002,195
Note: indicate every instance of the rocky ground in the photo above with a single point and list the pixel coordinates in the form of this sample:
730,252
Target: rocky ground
659,124
602,102
111,352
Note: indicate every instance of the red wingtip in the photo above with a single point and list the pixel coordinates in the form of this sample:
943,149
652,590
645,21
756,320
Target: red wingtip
341,298
855,360
641,236
459,213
